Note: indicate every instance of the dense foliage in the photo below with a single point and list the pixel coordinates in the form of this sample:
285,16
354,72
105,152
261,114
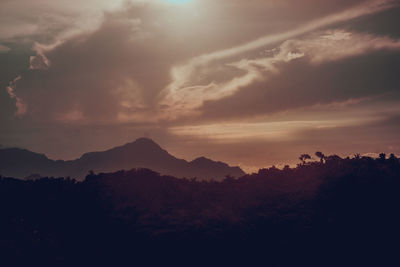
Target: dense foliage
334,210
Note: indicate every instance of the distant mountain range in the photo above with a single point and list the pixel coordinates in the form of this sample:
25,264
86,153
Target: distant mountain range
142,153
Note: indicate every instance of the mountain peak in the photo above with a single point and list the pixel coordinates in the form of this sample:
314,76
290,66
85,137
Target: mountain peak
144,140
143,143
138,148
206,162
202,160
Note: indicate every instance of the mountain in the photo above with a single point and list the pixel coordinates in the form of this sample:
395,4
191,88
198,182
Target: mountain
142,153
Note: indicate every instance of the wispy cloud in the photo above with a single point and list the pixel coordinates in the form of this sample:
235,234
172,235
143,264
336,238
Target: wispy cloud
317,48
184,96
283,130
21,106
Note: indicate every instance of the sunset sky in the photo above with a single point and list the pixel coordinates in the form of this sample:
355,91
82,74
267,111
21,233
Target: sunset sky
248,82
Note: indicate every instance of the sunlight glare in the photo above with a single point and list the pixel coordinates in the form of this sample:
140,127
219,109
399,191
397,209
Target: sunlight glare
178,1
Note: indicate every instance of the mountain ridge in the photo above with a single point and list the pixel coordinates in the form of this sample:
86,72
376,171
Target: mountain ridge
141,153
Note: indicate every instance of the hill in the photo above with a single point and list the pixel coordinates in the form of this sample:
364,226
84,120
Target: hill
142,153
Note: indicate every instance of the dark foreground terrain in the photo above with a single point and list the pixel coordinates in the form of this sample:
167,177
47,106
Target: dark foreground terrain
339,212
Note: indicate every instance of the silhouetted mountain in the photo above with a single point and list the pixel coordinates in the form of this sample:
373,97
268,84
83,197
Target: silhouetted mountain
205,167
20,162
142,153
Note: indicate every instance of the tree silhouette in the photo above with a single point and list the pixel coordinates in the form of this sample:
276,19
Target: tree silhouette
333,158
321,156
304,157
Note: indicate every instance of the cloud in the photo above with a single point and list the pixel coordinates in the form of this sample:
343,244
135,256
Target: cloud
186,94
4,48
293,58
301,83
47,20
111,74
19,104
270,131
39,61
130,68
135,59
339,44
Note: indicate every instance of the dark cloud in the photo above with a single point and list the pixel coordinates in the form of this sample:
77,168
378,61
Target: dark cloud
12,63
301,84
383,23
93,74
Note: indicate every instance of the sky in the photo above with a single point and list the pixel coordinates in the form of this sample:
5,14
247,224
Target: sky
252,83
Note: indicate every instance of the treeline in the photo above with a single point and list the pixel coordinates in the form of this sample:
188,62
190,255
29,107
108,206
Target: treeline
330,210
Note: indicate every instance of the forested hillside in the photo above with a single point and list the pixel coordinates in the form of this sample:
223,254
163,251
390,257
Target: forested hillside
327,210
